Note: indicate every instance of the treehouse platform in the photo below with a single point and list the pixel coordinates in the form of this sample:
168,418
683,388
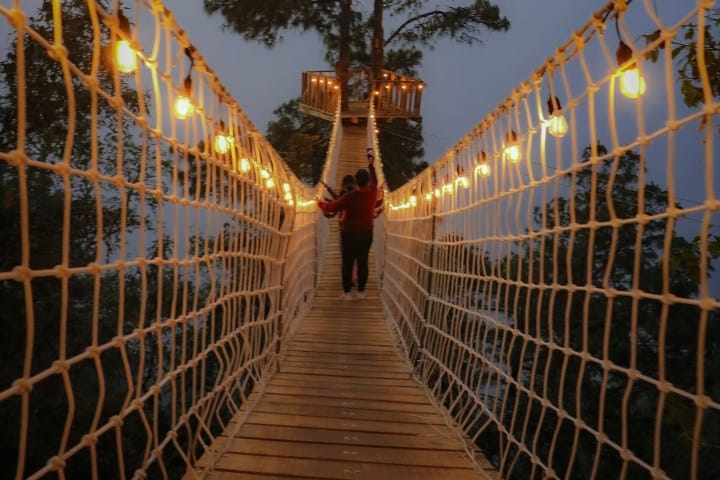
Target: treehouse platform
395,96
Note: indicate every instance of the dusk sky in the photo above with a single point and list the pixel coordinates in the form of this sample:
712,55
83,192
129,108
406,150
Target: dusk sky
464,83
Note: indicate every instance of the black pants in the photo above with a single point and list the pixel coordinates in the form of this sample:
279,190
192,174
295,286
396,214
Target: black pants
355,247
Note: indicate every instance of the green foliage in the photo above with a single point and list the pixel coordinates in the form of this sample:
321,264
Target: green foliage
400,145
301,139
685,54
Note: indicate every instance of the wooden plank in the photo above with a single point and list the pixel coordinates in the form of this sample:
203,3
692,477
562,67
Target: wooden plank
346,437
399,397
348,412
313,468
281,376
357,453
344,424
325,382
350,373
418,408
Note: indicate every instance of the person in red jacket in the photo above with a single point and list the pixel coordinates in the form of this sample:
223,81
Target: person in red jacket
356,235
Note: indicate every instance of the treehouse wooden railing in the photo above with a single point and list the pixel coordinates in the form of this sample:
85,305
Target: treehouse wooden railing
394,96
554,295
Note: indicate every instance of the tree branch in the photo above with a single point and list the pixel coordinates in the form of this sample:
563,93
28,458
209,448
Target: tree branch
407,22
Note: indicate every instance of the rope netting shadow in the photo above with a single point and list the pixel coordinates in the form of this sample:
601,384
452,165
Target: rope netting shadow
551,275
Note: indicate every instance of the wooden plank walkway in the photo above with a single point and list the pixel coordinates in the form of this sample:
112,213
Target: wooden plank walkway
343,405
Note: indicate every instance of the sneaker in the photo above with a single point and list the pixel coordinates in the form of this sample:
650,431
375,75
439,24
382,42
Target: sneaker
360,295
347,296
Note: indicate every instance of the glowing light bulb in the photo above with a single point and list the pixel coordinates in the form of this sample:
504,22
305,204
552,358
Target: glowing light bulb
437,193
286,187
632,84
484,169
288,197
512,153
222,143
428,196
244,165
557,126
512,149
125,57
462,181
264,173
413,200
269,183
183,107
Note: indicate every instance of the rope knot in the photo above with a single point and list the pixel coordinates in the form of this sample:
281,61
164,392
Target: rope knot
22,273
16,18
620,6
116,421
89,440
23,386
16,158
57,52
61,366
57,463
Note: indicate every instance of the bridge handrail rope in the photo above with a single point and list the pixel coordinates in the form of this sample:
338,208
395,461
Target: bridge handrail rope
379,225
153,260
328,176
557,300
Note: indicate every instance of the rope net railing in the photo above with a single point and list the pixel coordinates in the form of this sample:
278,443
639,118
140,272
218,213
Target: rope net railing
551,277
156,250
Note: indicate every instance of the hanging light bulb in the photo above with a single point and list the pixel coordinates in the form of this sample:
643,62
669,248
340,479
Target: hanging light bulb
183,105
632,84
557,125
269,183
512,149
460,178
244,165
125,55
413,200
222,142
483,166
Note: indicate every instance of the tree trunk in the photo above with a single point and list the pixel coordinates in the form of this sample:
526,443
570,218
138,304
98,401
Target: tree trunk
377,50
343,65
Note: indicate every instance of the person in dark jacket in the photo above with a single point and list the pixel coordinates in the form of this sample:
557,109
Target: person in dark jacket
358,207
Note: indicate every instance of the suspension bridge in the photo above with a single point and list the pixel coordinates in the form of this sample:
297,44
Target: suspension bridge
541,302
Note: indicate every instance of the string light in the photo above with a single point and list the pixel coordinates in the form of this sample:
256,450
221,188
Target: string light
483,166
460,178
125,55
183,105
512,149
632,84
269,183
245,165
222,142
557,124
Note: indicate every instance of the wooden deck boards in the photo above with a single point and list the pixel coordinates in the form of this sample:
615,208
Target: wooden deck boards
343,404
